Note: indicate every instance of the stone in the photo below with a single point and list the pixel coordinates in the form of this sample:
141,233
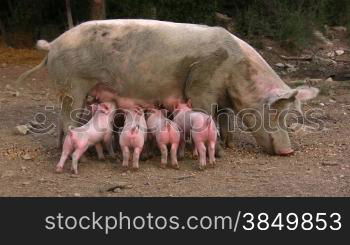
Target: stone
22,129
339,52
27,156
280,65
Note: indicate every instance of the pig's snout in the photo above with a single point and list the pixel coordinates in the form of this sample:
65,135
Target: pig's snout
285,152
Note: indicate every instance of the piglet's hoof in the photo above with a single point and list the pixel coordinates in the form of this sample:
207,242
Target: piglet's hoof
74,171
134,169
59,170
162,165
175,166
201,168
125,169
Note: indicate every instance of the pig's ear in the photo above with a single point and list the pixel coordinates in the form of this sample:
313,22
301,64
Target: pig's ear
282,101
306,93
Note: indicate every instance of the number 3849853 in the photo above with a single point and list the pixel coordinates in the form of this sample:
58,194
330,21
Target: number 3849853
292,221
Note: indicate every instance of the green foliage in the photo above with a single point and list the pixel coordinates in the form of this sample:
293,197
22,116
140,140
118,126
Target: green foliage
189,11
289,21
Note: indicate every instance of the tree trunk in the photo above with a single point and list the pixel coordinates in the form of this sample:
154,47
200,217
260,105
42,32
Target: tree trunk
69,14
97,9
3,33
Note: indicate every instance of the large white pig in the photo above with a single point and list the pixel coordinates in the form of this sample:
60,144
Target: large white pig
154,60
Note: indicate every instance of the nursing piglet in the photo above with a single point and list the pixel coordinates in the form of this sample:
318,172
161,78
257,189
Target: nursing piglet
166,133
78,140
133,137
201,128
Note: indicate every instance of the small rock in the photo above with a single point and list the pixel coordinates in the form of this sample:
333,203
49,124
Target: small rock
3,65
321,104
26,183
332,101
27,157
22,129
339,28
76,194
117,190
280,65
339,52
119,185
269,48
331,54
342,176
329,79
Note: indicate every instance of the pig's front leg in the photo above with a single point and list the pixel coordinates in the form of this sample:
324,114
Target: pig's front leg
99,150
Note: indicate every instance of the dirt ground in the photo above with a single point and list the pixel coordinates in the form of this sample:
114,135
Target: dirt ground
319,167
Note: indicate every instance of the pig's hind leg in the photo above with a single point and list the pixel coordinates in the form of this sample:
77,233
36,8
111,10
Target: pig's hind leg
75,158
135,158
202,154
211,153
173,155
67,150
126,156
164,155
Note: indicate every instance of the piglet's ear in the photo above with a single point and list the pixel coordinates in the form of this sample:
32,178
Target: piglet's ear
306,93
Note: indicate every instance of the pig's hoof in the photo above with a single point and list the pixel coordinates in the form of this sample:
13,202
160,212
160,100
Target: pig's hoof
212,165
59,170
175,166
134,169
201,168
162,165
102,159
125,169
75,172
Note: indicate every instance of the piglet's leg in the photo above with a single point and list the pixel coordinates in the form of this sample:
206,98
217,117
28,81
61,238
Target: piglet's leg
67,150
202,155
164,157
109,144
173,155
135,158
75,158
181,150
99,150
126,156
211,153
